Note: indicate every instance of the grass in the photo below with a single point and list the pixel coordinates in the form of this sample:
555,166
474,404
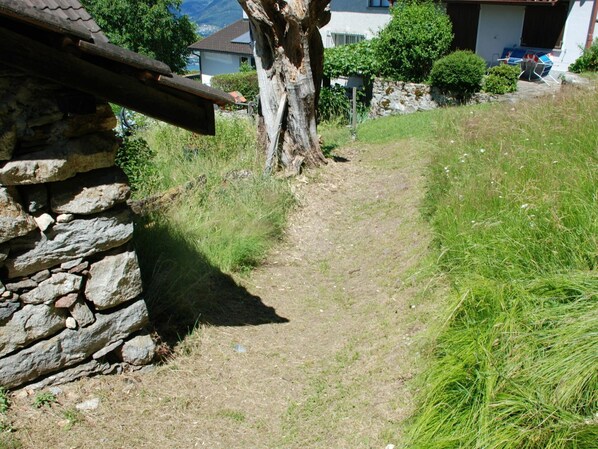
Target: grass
513,201
223,225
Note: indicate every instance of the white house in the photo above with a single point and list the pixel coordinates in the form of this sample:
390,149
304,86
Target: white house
563,28
224,51
354,20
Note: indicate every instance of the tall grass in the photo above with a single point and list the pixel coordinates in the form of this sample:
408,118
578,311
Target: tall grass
224,224
513,200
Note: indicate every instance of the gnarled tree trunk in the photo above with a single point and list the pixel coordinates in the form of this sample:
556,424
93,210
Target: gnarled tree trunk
289,59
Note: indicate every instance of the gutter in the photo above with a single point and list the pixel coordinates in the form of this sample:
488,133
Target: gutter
593,17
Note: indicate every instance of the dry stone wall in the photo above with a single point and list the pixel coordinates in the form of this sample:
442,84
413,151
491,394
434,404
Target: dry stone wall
398,97
70,285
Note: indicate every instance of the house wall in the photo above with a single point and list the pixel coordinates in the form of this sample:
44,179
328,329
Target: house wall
213,63
70,285
354,17
499,27
576,33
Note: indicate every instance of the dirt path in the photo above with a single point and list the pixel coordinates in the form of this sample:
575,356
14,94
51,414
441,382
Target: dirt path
334,376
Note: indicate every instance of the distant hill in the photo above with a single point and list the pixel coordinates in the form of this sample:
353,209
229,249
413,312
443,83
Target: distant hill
212,15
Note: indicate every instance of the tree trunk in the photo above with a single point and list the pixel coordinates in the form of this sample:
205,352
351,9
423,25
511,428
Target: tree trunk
289,60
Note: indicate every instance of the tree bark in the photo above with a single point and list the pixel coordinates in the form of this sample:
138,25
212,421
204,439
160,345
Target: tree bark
289,58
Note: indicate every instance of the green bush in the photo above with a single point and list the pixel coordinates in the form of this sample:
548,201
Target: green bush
588,61
244,82
459,74
502,79
135,158
352,60
333,104
417,35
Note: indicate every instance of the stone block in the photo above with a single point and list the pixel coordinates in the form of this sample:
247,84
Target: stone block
90,193
82,313
71,347
58,285
14,221
29,324
139,350
113,280
65,241
61,160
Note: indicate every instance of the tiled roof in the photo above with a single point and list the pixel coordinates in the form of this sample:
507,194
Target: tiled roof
222,41
58,40
70,10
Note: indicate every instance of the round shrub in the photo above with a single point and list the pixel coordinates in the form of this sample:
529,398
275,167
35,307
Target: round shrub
588,61
243,82
502,79
417,35
459,74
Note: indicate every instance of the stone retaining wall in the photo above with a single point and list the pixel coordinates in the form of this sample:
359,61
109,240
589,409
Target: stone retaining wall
70,284
398,97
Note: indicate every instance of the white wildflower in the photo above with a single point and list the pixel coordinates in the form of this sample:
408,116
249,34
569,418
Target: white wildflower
524,206
482,150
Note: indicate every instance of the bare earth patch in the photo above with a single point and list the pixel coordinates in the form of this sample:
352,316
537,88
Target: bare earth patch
346,277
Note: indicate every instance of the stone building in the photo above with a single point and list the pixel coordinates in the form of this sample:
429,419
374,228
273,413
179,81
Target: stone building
71,299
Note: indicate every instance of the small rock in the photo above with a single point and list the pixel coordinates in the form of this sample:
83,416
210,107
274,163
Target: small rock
44,221
107,349
88,405
66,301
56,391
390,446
60,284
65,218
41,276
7,309
6,294
81,268
71,323
240,348
71,263
21,285
82,313
2,288
138,351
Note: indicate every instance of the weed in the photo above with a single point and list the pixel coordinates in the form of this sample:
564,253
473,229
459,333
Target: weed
73,417
4,400
44,399
233,415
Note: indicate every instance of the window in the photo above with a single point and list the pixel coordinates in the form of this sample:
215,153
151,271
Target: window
379,3
339,39
543,25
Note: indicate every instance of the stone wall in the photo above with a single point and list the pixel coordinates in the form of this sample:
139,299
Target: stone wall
70,284
398,97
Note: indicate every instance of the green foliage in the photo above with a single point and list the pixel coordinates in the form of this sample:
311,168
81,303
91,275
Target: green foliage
501,79
334,104
243,82
134,157
245,67
72,417
352,60
512,202
4,400
588,61
459,74
154,28
418,34
44,399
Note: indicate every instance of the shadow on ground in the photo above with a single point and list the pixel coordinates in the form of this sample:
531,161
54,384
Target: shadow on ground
183,290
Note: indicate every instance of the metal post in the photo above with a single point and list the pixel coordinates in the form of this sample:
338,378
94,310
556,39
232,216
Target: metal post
354,115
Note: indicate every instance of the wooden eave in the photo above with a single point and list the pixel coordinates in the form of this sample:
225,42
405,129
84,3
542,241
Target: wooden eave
65,52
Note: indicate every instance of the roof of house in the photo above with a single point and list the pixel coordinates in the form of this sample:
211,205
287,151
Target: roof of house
57,40
232,39
70,10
